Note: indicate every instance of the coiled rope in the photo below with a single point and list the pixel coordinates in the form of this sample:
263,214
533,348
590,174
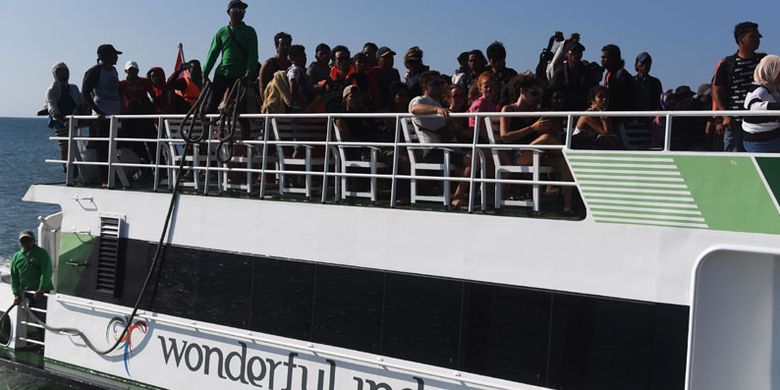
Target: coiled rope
228,119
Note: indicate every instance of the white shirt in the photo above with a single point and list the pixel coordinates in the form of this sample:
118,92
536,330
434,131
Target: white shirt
424,126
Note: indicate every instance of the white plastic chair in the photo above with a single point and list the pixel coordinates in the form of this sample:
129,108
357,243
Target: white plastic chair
535,170
416,164
299,130
175,151
345,164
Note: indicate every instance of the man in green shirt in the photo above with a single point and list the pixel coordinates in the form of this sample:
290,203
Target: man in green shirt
237,44
30,268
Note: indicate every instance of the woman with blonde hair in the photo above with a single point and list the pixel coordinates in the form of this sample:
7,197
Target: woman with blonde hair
762,133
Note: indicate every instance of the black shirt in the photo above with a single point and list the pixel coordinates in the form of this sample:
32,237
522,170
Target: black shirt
648,93
621,95
734,76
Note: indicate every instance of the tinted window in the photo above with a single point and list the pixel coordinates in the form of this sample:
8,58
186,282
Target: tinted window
172,287
282,294
506,333
422,319
348,308
224,290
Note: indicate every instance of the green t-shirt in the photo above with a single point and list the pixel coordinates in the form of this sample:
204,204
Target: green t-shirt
235,61
31,271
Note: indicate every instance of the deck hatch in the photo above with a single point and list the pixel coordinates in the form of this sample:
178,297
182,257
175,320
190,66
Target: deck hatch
108,265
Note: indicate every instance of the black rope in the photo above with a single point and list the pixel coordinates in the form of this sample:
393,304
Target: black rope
195,114
189,140
228,119
2,318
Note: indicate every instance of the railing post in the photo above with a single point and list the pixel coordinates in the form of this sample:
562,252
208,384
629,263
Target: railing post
569,127
69,171
475,139
112,129
393,179
248,149
266,128
160,125
668,133
328,130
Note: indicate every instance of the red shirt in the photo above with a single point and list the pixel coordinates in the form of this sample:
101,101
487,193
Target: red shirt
135,96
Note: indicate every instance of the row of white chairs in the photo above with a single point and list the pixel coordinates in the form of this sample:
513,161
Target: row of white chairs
299,155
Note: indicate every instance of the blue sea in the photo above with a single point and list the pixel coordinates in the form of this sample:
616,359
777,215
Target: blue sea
24,147
23,150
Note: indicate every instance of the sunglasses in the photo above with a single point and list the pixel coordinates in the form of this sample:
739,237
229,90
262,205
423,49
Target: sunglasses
239,10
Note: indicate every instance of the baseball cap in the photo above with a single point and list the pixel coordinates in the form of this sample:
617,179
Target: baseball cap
26,234
384,50
131,64
107,49
350,90
644,58
237,4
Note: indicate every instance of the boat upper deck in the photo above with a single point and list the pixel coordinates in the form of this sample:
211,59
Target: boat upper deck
309,158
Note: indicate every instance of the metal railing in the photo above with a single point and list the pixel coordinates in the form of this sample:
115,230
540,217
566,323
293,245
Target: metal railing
263,143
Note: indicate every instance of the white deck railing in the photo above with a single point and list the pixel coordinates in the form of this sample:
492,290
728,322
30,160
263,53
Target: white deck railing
76,124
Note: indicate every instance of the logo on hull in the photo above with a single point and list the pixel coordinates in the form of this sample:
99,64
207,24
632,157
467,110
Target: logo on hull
114,330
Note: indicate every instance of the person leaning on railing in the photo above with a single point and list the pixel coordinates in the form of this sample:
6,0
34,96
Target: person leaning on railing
762,134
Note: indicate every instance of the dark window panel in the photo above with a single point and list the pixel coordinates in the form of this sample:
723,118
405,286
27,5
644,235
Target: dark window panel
601,343
172,288
506,333
348,308
422,319
670,348
282,294
224,289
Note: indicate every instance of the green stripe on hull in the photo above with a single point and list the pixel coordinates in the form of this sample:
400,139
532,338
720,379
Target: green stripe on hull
730,193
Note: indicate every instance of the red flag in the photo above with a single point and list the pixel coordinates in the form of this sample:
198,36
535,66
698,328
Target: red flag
179,59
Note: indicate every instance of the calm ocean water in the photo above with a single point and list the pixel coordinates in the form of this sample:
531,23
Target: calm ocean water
24,148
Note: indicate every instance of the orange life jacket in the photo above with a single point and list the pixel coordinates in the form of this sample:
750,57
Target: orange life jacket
191,92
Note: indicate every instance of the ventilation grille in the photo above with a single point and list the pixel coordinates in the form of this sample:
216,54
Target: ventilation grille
108,265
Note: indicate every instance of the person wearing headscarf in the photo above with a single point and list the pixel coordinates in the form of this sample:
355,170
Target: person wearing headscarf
762,134
62,99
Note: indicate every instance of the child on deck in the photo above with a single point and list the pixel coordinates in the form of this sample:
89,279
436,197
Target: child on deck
487,85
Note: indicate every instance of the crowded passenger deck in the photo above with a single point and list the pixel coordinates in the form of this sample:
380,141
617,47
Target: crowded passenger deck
349,127
306,157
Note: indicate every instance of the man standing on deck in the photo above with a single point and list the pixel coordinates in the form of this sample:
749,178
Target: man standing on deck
30,269
237,43
733,77
101,94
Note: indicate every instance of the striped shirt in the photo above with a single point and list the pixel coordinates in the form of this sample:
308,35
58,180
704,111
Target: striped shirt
735,74
761,99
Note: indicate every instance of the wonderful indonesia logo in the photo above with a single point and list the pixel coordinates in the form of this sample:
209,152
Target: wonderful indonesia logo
135,334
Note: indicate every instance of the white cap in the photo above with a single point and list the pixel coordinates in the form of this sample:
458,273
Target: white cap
131,64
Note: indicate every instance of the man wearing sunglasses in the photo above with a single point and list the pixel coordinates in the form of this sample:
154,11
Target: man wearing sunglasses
30,268
237,44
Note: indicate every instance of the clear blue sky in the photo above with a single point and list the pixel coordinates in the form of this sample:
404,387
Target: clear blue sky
686,38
